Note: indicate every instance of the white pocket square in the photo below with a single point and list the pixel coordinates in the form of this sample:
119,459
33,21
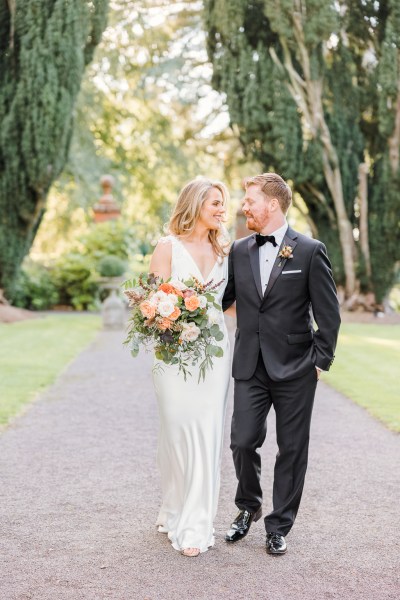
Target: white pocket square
287,272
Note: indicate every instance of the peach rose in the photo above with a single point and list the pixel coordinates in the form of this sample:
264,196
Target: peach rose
174,315
169,289
192,303
163,323
147,309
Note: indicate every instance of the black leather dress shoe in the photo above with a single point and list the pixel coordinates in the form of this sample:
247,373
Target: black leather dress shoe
241,525
276,544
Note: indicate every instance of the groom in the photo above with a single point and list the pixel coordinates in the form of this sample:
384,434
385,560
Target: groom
280,281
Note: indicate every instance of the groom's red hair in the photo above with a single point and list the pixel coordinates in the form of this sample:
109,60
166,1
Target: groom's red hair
273,186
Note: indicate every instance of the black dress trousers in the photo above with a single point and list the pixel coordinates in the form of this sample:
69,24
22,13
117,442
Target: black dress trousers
293,403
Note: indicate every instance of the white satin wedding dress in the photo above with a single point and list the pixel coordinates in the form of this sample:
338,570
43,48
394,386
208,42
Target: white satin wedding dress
192,418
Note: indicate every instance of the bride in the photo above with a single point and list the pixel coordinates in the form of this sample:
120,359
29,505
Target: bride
192,414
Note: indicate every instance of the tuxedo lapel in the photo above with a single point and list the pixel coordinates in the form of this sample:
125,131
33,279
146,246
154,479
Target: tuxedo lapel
288,240
255,263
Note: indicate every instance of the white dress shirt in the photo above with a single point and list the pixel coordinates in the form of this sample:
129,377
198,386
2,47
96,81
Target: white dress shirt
268,254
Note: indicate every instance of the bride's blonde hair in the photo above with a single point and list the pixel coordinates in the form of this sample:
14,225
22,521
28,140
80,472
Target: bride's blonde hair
187,211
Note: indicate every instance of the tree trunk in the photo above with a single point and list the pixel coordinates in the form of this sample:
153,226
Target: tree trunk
363,205
394,140
307,93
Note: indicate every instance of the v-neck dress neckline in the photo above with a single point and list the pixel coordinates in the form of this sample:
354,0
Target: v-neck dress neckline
204,279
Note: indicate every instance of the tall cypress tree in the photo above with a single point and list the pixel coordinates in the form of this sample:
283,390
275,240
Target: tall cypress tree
313,88
44,48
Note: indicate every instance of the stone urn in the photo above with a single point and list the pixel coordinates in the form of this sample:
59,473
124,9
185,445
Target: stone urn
106,209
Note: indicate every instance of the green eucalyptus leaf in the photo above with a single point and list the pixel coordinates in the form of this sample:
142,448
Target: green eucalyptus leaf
212,350
214,330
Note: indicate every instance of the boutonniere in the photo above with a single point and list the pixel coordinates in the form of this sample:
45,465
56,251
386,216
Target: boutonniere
285,253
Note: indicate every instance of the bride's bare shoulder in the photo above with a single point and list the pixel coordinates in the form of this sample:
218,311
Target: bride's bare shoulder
166,239
163,248
164,243
160,263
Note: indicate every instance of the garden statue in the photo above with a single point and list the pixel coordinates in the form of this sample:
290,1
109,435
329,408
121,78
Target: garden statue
106,209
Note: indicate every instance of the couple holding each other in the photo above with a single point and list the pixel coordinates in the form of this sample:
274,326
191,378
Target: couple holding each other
280,280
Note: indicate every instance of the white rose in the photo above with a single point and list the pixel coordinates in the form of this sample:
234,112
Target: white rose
155,299
177,284
202,301
165,308
214,316
190,332
172,298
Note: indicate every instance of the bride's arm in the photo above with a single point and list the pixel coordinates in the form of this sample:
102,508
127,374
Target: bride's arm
160,263
231,311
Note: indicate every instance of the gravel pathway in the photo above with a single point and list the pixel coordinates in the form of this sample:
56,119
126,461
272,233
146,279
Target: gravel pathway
79,494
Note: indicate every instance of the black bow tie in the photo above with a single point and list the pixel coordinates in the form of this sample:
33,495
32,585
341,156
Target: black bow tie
263,239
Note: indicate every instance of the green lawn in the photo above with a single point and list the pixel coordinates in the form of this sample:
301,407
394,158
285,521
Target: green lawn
34,352
367,369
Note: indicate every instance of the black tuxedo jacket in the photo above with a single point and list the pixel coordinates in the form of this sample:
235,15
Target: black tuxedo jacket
280,321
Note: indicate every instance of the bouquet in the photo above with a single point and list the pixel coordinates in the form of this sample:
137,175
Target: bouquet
179,318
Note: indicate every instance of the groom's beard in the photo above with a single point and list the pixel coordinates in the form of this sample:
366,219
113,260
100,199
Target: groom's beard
250,224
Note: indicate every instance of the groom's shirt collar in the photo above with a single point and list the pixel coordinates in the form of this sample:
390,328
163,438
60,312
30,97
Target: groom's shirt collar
268,254
279,234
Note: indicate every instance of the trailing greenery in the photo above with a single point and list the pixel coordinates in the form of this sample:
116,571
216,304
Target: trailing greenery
313,90
44,48
366,369
34,352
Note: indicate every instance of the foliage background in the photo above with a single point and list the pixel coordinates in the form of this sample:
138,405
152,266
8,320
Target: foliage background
313,89
44,48
147,113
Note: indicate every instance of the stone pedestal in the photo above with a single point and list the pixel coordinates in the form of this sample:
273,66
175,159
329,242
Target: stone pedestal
113,312
113,308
